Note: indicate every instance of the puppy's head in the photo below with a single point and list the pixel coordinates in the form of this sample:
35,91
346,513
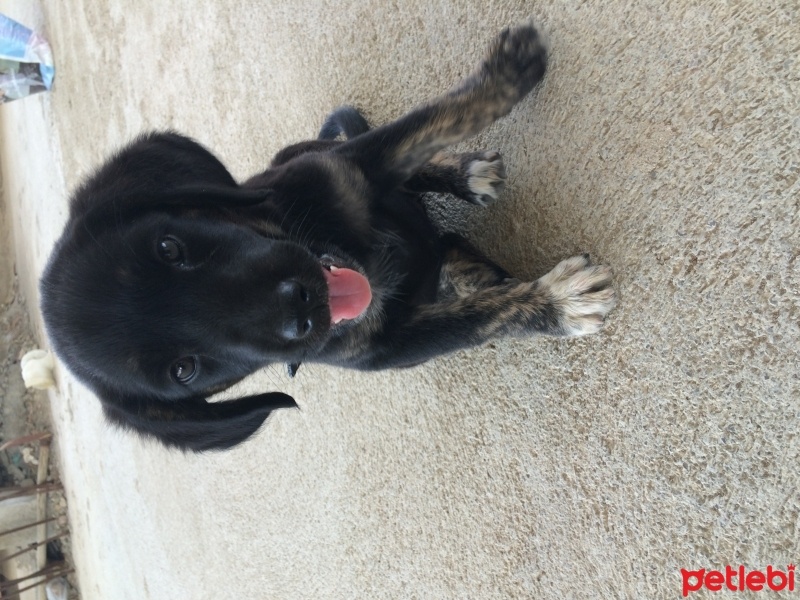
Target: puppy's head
156,298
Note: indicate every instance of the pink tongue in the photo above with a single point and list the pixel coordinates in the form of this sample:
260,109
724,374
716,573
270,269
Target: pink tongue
349,293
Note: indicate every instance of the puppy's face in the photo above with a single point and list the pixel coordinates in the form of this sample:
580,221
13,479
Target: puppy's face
178,305
162,291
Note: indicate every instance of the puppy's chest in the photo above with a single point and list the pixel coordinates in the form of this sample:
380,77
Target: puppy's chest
399,281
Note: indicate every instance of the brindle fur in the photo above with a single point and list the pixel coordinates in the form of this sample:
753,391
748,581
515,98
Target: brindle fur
249,272
477,177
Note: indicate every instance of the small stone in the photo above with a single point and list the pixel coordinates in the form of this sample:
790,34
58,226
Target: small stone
28,456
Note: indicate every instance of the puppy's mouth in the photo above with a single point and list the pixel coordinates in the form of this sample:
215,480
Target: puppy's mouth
349,292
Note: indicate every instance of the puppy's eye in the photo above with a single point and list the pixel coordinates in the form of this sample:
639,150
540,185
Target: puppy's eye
184,369
170,250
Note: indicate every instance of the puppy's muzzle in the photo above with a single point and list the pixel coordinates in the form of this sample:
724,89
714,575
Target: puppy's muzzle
299,306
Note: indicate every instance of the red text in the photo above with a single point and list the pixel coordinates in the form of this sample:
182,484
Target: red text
738,580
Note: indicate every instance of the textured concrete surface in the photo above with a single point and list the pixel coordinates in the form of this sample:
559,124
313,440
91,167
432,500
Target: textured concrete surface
664,140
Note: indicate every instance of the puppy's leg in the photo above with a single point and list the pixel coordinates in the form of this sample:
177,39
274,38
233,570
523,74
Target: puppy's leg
477,177
392,154
573,299
295,150
346,121
465,270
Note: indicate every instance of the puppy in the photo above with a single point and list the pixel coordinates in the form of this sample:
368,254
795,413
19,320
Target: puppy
172,282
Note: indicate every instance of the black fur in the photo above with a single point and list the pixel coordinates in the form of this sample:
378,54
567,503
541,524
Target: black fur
172,282
346,121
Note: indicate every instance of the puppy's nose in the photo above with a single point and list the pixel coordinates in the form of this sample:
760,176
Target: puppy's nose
296,308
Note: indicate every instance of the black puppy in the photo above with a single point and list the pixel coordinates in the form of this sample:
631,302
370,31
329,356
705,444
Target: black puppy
172,282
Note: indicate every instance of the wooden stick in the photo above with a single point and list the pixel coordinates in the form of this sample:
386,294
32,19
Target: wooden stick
31,490
40,573
16,529
26,439
41,531
49,578
33,546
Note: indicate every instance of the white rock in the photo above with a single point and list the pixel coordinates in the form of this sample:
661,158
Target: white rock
37,369
57,589
27,456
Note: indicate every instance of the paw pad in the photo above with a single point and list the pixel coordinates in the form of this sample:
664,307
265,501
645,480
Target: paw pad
486,177
581,293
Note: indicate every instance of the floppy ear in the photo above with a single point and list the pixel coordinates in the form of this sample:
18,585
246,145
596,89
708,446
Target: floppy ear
209,196
160,169
147,167
196,424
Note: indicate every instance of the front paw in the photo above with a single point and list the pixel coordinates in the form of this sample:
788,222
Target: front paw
581,295
517,60
486,177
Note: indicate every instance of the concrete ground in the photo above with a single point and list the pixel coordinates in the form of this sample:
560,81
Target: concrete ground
665,140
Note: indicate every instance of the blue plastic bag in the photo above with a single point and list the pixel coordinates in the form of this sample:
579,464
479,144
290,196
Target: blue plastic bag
26,62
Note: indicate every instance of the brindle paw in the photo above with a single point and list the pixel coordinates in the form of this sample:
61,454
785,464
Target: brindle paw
517,59
581,293
486,177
